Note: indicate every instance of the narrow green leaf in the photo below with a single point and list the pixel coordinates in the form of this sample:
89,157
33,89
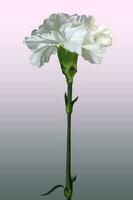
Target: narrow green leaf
74,178
74,100
65,96
54,188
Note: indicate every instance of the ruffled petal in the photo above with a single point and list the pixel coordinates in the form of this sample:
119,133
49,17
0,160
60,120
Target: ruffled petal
74,39
43,46
102,35
77,19
52,38
53,23
103,40
42,55
33,42
101,29
88,21
95,43
93,53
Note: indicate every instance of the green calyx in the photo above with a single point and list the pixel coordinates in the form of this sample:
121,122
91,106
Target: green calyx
68,62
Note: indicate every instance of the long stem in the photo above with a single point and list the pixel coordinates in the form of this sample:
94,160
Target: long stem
68,156
68,150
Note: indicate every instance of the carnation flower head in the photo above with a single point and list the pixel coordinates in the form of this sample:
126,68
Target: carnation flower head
77,34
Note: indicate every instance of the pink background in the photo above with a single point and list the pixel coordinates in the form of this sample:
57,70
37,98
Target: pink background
19,18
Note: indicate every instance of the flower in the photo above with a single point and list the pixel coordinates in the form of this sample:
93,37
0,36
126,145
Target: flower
77,34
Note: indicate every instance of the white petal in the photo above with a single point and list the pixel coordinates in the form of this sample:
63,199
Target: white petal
53,23
93,53
88,21
43,45
95,43
101,29
42,55
33,42
52,38
77,19
75,38
103,40
102,35
57,20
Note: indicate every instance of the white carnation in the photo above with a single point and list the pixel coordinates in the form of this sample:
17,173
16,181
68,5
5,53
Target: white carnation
76,33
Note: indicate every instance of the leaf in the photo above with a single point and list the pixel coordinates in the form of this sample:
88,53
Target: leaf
54,188
74,100
74,178
65,96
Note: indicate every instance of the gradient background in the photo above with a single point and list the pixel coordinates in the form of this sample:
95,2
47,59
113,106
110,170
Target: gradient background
32,115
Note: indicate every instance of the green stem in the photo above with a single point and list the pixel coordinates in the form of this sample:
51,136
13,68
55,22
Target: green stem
68,156
69,182
68,189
